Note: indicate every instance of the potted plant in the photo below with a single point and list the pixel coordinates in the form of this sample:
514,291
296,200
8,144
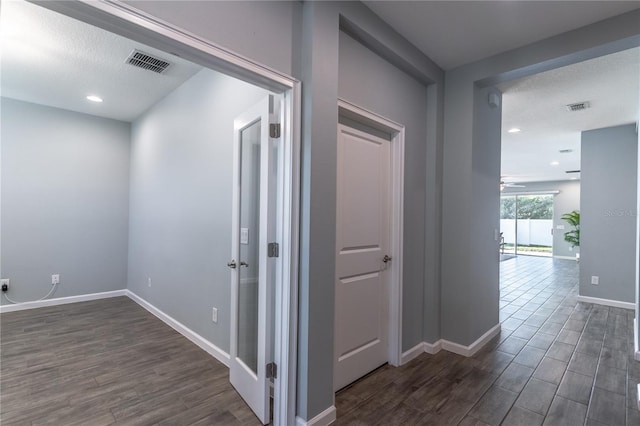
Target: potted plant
573,236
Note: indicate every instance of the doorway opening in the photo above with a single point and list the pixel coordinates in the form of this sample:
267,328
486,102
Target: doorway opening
157,190
526,225
369,253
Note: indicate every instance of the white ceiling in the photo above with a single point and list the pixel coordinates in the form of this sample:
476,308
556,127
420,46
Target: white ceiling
454,33
50,59
537,106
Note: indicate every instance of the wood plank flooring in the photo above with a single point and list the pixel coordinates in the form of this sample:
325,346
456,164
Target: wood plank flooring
109,362
556,362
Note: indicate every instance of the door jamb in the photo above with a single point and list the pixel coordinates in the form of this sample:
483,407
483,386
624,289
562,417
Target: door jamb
397,131
130,22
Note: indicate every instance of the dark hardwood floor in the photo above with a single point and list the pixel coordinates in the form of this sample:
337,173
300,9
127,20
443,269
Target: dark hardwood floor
556,362
109,362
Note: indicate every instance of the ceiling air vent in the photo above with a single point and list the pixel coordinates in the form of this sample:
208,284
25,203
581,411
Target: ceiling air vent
147,62
572,171
578,106
565,151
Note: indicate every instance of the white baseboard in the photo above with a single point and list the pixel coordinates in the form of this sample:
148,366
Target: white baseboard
456,348
412,353
200,341
433,348
607,302
565,257
638,396
61,301
475,346
325,418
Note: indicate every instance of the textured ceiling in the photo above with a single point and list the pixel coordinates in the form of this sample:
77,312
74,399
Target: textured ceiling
453,33
50,59
537,105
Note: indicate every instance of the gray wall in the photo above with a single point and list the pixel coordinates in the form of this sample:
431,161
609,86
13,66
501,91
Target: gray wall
267,32
391,93
608,212
65,198
180,214
464,217
565,201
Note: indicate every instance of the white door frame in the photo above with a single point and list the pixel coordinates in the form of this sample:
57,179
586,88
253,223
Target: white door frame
361,115
134,24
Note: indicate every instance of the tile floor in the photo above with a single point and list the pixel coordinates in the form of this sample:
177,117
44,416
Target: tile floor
556,362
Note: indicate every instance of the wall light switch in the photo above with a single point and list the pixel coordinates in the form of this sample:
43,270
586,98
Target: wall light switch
559,226
595,280
214,314
244,235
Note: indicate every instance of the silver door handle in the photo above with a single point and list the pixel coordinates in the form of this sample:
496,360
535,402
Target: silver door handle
245,264
232,264
386,258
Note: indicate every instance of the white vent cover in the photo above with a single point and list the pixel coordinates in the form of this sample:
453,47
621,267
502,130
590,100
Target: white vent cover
145,61
578,106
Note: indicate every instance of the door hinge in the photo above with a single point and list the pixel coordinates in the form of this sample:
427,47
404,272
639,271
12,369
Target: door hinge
272,370
274,130
273,250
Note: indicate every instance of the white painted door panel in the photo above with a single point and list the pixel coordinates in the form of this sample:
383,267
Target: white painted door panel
362,241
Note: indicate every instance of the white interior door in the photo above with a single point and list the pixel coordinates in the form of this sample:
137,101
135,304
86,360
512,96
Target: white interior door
362,255
252,268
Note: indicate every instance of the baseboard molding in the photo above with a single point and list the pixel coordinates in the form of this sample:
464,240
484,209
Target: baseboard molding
456,348
565,257
197,339
325,418
61,301
412,353
433,348
607,302
471,349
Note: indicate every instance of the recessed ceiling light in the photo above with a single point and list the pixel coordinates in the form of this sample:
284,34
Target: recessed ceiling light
514,130
555,163
94,98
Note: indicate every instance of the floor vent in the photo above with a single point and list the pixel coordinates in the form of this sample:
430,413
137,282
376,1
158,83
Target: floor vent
147,62
578,106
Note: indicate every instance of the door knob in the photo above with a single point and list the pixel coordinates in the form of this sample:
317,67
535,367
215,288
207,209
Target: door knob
232,264
245,264
386,258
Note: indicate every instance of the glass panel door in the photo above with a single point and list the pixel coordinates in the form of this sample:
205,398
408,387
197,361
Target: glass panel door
249,270
255,195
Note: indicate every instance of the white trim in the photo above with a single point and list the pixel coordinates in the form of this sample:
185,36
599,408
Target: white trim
638,395
470,350
433,348
325,418
413,353
636,343
419,349
607,302
61,301
397,131
565,257
200,341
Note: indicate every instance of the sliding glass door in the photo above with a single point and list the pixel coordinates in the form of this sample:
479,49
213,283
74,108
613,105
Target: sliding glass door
526,224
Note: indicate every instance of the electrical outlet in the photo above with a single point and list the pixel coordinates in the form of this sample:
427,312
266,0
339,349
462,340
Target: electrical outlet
149,282
214,314
4,284
595,280
55,279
